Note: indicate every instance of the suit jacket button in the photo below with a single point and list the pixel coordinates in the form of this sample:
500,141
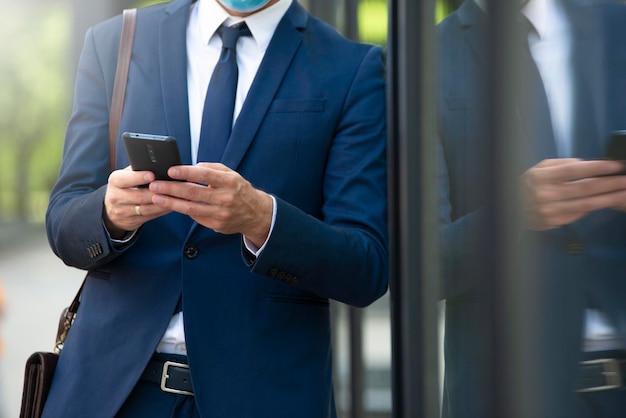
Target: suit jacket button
273,272
191,251
575,247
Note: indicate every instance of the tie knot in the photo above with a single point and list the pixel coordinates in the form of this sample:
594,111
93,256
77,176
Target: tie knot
230,34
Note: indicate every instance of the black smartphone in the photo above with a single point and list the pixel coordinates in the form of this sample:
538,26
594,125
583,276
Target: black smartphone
616,150
156,153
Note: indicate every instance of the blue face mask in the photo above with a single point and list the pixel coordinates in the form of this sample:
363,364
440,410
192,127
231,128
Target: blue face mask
244,6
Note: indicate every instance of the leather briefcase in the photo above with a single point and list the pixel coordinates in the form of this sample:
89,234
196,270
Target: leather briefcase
37,379
41,365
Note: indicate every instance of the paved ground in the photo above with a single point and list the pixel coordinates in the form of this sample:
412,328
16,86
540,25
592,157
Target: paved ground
37,287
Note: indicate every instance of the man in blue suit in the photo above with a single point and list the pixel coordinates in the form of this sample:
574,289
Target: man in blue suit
227,273
573,241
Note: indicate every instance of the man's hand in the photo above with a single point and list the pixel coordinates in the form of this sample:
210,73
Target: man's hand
560,191
126,205
218,198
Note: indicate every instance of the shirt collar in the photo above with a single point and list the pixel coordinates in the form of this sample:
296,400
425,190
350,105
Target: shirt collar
536,11
262,24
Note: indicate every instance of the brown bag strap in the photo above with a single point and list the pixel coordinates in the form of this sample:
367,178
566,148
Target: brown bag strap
129,20
67,317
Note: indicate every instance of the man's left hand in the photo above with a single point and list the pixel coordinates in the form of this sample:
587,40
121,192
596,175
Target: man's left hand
218,198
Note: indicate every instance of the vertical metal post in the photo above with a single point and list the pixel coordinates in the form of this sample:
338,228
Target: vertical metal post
414,243
351,20
350,28
357,372
501,246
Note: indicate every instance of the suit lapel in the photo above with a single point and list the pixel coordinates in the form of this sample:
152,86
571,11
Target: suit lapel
278,57
473,20
173,64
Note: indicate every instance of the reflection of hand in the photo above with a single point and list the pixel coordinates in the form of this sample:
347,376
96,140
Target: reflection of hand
560,191
128,206
228,204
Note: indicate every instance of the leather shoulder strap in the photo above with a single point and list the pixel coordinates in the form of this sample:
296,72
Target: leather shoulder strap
129,18
129,21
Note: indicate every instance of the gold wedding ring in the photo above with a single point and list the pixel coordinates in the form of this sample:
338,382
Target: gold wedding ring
138,210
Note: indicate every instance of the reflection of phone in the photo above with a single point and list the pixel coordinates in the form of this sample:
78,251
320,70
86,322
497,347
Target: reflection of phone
156,153
616,149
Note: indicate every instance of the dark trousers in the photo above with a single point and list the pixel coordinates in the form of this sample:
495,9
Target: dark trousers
603,404
607,404
147,400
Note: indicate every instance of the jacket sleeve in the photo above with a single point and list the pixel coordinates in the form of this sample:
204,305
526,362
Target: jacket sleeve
342,256
74,217
459,239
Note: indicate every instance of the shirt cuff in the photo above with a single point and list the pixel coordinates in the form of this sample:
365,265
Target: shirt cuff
253,249
119,243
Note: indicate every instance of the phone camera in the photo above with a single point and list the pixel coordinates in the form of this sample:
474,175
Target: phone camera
151,153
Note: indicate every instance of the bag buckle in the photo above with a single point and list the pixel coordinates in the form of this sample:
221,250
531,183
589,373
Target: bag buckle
165,376
612,374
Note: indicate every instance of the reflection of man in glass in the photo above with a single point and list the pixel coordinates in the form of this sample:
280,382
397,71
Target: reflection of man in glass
575,228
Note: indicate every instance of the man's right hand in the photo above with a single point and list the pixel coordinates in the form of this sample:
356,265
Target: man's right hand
127,206
557,192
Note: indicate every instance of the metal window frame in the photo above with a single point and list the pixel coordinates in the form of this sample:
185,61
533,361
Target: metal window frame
414,248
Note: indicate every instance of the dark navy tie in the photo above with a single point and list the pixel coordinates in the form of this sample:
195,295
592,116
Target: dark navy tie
219,105
534,107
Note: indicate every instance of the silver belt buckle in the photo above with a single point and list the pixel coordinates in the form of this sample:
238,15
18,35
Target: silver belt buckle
165,376
612,374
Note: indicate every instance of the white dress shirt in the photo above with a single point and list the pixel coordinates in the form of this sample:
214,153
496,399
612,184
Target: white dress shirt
551,48
203,50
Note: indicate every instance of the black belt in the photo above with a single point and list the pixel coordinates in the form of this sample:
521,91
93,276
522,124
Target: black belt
602,374
173,377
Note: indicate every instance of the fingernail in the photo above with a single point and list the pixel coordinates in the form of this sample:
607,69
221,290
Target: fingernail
157,200
174,172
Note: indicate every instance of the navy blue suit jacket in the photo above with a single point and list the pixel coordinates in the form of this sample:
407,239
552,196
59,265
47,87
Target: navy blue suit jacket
312,133
570,268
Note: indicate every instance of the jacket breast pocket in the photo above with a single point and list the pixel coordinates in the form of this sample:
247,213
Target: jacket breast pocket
297,106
